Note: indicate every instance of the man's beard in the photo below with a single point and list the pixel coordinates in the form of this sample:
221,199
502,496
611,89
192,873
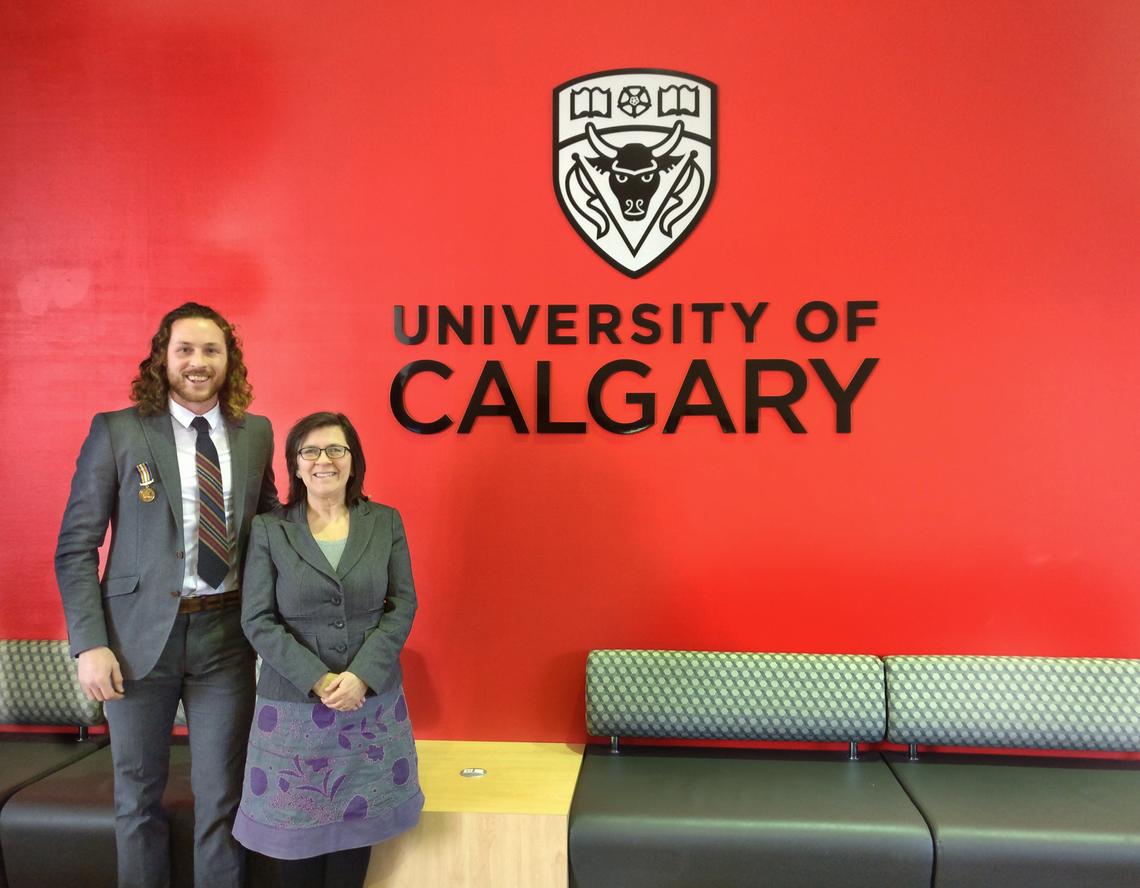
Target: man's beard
195,394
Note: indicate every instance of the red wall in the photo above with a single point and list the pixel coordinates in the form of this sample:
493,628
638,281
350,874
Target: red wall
970,167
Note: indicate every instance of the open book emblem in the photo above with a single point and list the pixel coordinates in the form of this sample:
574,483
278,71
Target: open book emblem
634,161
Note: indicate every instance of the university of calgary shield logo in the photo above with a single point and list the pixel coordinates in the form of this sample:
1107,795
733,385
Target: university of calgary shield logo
635,161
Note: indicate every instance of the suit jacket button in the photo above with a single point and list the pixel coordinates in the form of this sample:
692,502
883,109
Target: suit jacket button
340,647
336,599
179,554
339,624
176,594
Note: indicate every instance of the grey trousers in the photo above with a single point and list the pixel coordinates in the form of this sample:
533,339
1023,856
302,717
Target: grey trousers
209,665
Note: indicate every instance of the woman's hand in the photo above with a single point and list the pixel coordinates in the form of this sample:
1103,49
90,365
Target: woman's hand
344,693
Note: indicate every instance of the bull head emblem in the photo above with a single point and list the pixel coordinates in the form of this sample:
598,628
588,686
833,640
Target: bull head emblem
634,170
636,186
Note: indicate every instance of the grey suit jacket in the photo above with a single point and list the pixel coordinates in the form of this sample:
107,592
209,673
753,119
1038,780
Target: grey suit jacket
134,607
306,619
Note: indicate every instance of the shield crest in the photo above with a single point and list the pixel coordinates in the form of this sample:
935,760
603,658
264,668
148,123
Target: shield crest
635,161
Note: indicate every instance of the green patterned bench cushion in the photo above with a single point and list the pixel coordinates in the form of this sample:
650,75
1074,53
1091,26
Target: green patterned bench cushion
38,686
735,696
1021,702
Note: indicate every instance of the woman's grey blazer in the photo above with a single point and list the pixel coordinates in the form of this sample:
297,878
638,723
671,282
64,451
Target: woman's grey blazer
305,619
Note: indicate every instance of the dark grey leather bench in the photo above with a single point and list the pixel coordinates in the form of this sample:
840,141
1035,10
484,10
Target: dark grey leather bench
57,823
685,817
61,829
38,687
670,817
1021,821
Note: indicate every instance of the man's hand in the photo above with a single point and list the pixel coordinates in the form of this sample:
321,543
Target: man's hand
344,693
100,675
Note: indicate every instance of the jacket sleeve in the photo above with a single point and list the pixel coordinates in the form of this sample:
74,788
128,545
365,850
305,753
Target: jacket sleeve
260,620
94,489
379,655
267,499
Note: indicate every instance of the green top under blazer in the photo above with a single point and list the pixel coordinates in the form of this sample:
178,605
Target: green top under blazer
305,618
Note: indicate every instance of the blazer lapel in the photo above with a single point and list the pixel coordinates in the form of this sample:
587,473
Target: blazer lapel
239,470
159,436
361,524
301,539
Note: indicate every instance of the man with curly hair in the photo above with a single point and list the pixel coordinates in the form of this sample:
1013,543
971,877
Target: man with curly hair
178,478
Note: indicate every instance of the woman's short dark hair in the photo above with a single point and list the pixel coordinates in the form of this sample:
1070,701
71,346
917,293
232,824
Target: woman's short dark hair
354,492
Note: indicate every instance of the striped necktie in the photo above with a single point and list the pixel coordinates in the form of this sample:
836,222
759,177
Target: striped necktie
213,539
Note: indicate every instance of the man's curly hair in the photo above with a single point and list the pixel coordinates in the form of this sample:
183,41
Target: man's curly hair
151,390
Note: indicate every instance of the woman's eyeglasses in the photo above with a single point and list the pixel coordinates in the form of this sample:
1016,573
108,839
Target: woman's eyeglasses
333,451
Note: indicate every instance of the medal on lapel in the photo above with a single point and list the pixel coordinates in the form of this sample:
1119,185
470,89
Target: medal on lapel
146,482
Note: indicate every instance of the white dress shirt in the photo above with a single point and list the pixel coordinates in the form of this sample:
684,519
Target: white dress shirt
185,442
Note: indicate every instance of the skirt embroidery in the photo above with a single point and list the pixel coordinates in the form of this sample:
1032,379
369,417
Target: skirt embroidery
310,767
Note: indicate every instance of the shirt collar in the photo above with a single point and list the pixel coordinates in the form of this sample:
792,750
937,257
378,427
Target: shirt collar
183,416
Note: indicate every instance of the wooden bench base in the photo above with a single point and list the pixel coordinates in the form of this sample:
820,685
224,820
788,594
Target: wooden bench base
506,828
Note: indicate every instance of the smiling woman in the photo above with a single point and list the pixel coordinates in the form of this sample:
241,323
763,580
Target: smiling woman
311,465
331,767
324,467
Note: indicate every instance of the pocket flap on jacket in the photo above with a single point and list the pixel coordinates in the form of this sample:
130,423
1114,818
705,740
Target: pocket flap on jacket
119,586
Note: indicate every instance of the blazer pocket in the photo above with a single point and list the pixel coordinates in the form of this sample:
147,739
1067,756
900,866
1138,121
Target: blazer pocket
117,586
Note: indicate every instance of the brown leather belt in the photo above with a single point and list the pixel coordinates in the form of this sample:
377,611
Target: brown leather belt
219,601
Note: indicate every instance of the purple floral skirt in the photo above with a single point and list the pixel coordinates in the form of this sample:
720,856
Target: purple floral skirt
317,780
